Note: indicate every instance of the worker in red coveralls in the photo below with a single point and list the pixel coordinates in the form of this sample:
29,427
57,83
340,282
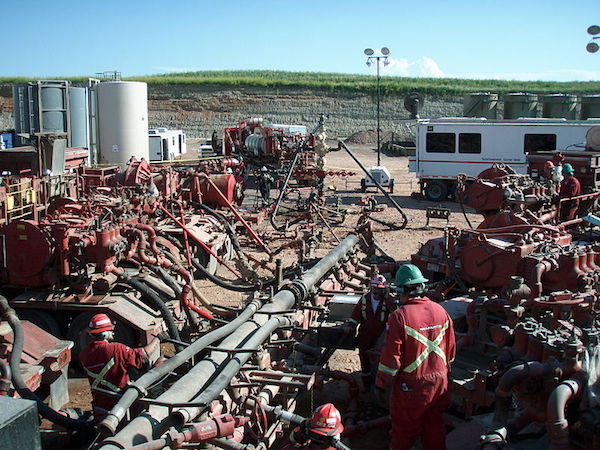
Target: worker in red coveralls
415,360
107,363
370,315
321,432
569,187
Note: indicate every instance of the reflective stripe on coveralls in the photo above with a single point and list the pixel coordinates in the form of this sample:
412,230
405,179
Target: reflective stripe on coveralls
99,377
430,347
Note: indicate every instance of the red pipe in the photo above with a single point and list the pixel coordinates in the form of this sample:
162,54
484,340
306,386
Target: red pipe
199,241
557,425
164,262
235,213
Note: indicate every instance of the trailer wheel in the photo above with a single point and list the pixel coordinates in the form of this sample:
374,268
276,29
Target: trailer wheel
363,185
436,191
77,332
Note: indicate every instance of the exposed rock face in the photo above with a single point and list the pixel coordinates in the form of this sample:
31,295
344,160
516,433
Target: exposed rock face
199,110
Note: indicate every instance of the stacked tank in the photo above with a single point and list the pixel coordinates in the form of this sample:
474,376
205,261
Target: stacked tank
525,104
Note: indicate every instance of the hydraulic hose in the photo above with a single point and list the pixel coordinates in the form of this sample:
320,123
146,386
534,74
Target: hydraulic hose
53,416
215,279
156,302
199,383
109,425
176,287
228,228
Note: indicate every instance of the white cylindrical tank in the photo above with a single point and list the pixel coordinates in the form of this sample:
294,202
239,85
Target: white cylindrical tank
122,121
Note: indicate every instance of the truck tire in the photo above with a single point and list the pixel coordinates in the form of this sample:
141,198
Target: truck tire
363,185
436,191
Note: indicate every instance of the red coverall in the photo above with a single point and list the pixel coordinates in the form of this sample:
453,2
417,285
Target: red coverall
370,326
107,365
418,349
569,187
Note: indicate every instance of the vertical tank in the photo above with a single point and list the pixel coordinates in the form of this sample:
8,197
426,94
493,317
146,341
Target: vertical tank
480,104
122,121
78,117
559,105
520,104
590,106
53,107
41,107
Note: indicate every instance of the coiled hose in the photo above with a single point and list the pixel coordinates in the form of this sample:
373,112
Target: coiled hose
17,379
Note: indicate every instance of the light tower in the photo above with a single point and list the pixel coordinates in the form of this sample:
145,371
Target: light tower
379,172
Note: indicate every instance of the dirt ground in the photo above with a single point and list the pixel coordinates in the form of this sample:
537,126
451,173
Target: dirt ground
400,244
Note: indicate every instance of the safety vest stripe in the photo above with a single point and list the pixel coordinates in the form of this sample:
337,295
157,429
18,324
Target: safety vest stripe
99,377
430,346
353,320
388,370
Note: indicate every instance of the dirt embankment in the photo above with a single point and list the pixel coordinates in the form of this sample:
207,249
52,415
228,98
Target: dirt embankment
199,110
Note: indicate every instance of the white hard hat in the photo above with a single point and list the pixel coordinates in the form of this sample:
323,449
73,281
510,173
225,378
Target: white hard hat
264,169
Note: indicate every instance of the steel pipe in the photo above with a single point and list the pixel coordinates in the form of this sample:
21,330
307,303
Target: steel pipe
215,371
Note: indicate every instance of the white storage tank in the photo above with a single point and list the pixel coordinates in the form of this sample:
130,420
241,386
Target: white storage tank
122,121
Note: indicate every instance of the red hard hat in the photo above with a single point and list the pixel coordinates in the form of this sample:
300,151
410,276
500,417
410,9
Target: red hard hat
326,421
378,281
548,165
100,323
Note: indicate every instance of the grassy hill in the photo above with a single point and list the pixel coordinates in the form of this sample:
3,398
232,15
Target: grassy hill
337,82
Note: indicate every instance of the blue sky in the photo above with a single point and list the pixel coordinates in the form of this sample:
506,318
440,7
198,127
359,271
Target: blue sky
507,39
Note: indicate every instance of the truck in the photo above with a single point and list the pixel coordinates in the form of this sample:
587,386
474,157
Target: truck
448,147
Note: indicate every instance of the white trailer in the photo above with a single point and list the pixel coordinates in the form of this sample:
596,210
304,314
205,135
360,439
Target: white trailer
165,144
446,148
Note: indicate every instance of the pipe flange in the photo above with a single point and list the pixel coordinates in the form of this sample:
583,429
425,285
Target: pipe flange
298,289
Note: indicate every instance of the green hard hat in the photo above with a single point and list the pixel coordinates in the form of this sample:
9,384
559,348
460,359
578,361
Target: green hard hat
409,274
568,168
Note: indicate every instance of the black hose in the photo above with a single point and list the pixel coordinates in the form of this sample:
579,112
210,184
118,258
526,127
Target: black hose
218,281
21,387
176,287
226,284
273,214
155,302
228,228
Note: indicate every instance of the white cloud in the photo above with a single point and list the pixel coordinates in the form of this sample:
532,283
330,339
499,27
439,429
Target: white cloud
422,67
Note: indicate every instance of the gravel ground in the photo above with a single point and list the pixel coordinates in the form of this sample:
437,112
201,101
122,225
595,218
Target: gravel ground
400,244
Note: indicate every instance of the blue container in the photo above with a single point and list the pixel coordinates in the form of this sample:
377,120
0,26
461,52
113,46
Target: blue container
7,139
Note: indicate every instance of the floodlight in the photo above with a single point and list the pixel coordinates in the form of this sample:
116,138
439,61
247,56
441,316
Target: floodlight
369,51
386,62
593,30
369,63
385,51
592,47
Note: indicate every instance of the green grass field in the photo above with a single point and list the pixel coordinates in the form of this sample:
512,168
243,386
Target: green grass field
352,83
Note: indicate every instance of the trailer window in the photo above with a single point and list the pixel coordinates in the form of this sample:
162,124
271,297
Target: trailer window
440,143
469,143
539,142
